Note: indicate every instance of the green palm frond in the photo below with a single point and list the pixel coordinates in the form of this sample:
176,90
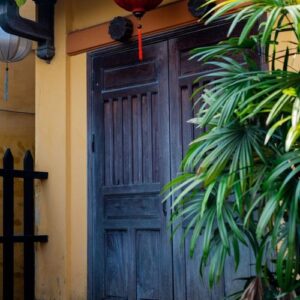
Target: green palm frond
240,180
235,91
252,11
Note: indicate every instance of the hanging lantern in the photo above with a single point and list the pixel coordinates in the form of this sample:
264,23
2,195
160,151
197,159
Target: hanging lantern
12,49
139,8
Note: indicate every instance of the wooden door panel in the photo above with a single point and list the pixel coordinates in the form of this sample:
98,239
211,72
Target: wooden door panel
135,248
131,140
128,202
148,264
198,288
129,75
187,282
183,73
116,262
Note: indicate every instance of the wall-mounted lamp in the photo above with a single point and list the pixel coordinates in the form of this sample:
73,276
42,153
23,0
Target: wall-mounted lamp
121,29
12,49
41,30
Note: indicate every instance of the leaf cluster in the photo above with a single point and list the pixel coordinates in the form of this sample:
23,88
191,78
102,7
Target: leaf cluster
239,182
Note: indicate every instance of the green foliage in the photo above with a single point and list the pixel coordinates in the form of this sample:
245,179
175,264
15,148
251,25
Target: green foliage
20,2
239,182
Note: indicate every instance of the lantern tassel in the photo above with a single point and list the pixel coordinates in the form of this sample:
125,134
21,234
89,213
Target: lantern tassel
140,43
6,83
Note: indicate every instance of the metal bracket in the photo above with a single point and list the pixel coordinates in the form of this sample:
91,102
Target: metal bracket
196,8
121,29
41,31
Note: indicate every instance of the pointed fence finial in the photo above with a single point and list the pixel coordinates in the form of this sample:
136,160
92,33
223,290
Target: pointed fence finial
8,160
28,161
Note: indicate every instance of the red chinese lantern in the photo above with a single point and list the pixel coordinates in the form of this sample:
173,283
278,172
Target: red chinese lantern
139,8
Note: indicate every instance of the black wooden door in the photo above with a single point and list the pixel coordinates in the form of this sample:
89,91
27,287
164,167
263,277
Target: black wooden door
135,252
139,115
183,72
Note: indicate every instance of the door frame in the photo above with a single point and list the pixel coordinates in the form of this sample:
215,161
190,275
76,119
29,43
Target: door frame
93,164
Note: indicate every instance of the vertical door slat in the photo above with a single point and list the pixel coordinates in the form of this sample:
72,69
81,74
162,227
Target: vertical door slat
118,141
147,138
187,128
137,140
108,141
155,135
127,140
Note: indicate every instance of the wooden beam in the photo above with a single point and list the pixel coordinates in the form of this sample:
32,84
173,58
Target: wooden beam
161,19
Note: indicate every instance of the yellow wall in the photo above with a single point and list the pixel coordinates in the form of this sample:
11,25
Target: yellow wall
285,40
28,10
88,13
52,155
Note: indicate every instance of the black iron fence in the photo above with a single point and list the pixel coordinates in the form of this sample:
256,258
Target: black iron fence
28,239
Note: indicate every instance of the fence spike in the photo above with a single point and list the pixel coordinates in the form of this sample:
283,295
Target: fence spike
28,161
8,159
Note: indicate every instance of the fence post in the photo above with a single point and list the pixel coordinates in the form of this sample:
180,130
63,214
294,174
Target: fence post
28,239
8,227
29,208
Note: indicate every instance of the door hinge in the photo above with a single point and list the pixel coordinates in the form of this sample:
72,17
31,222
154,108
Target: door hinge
93,143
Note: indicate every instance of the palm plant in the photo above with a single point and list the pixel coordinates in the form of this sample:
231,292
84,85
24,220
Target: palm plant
240,180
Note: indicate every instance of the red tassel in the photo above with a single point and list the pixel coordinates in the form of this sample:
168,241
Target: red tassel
140,42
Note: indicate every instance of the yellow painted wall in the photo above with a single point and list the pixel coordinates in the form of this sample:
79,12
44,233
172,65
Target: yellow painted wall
285,40
89,13
28,10
61,150
63,198
52,155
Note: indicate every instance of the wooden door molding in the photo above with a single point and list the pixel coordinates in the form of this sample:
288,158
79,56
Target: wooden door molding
220,27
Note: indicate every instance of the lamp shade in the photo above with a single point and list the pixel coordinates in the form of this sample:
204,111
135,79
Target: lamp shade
138,6
13,48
